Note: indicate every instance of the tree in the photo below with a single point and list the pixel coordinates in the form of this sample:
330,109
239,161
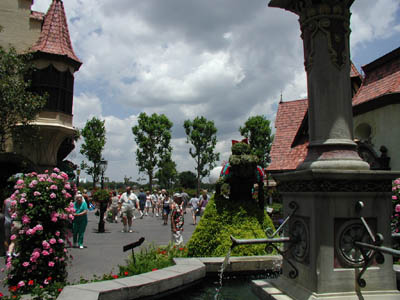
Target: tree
187,180
153,137
202,134
258,130
19,106
94,135
167,173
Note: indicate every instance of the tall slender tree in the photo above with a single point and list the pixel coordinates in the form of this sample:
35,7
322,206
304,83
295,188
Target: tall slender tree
153,138
202,134
94,135
258,130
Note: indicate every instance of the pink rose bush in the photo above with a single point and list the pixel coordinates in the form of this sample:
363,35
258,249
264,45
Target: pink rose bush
43,208
396,206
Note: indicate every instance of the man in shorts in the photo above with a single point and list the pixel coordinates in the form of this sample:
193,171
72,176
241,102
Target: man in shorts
127,204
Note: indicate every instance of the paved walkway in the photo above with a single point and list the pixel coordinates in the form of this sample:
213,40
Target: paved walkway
104,250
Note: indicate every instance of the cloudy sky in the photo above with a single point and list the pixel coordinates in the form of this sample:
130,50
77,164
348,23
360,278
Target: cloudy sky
225,60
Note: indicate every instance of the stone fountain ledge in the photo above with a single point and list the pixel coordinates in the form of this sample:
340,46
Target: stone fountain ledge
185,272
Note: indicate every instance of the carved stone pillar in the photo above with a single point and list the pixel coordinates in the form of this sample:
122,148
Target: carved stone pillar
325,27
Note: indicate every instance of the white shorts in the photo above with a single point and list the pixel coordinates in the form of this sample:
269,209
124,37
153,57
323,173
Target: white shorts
148,203
177,238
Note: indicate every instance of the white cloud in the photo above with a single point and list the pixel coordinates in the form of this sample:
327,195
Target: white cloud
225,60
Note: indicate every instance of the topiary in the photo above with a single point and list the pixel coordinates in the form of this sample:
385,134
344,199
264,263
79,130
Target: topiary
222,218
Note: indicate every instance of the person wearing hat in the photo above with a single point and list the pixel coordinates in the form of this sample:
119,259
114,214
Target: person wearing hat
80,221
177,220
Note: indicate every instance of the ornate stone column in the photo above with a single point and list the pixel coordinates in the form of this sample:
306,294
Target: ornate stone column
333,182
325,27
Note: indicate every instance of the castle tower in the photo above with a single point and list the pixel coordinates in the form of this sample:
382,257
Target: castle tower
56,63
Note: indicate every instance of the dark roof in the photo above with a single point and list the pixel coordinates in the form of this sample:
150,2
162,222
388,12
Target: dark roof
54,38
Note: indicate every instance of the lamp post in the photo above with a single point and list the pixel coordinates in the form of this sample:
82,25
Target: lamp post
103,204
78,172
103,168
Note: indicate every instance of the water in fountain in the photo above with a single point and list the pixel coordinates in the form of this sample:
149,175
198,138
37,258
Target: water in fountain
224,264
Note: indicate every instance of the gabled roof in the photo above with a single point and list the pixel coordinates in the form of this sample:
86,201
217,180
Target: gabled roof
54,38
354,72
382,77
285,154
380,86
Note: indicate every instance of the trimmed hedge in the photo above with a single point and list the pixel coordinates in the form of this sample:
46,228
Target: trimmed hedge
222,218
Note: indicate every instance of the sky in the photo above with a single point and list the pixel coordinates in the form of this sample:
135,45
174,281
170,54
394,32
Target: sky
225,60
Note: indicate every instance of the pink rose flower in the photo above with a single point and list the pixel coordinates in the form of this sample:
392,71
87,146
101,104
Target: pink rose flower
13,237
52,195
67,186
394,197
30,205
30,232
36,193
45,245
22,200
60,241
53,241
21,283
53,187
26,219
51,264
25,264
56,170
39,227
45,253
20,181
57,233
397,208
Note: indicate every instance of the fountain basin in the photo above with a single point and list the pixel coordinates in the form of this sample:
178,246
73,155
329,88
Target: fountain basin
185,272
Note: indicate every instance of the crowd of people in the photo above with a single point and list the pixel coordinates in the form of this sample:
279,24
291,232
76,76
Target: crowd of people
124,207
128,206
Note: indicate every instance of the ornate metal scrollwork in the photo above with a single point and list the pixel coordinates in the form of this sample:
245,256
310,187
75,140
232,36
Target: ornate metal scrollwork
360,247
298,242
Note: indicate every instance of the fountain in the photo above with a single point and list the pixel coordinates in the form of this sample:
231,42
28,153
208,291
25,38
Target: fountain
338,243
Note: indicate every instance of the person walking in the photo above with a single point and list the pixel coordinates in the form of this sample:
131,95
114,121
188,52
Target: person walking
177,220
127,204
80,221
185,200
194,204
204,198
142,202
154,202
166,207
114,206
148,204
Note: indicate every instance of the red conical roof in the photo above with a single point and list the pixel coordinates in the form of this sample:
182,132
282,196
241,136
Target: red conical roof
54,37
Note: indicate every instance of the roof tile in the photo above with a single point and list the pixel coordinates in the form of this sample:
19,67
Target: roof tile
54,37
382,77
288,120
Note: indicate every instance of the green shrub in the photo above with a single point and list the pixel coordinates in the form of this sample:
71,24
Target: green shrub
151,258
222,218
